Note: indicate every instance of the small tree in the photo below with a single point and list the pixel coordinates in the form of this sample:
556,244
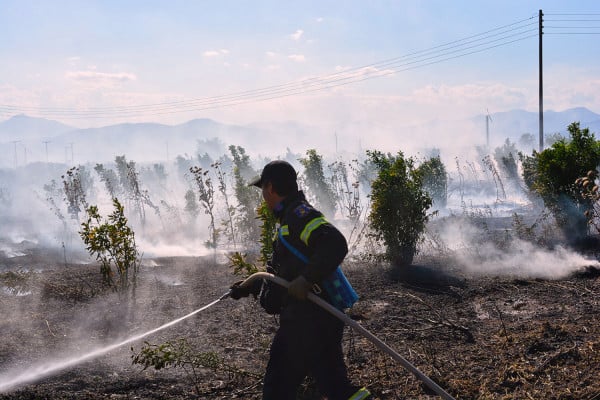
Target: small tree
206,195
435,180
110,179
75,182
347,192
248,198
129,178
506,159
230,210
112,241
552,174
316,182
399,206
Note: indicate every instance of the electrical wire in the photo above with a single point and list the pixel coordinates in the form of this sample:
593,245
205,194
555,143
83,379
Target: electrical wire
516,31
302,86
573,22
308,80
317,85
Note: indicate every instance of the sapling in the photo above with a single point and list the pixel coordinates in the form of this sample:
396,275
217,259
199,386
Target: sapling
74,191
317,184
179,354
248,198
206,196
112,242
221,178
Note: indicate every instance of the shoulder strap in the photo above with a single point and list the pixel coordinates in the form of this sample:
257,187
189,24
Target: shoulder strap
291,248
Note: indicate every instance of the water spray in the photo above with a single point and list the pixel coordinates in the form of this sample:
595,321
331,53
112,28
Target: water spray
9,381
12,380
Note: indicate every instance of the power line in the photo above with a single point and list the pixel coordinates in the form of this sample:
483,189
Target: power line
288,93
340,76
574,14
378,64
435,55
296,92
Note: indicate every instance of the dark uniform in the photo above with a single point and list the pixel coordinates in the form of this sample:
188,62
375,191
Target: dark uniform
308,341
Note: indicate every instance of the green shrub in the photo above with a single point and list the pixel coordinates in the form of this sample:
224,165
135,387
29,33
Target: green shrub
399,206
552,174
435,180
317,184
179,354
247,197
113,244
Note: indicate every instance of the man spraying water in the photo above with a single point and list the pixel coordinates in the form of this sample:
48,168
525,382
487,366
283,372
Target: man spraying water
307,252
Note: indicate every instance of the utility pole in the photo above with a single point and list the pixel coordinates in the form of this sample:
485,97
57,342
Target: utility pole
15,146
46,144
541,26
487,129
336,144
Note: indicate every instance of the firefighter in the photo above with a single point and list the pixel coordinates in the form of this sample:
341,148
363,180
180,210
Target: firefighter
309,339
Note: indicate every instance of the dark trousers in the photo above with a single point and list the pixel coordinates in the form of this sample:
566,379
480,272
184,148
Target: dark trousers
308,342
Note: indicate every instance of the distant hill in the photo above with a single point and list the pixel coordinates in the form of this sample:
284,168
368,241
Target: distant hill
150,142
142,142
22,127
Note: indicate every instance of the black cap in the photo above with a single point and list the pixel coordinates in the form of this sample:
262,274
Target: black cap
279,172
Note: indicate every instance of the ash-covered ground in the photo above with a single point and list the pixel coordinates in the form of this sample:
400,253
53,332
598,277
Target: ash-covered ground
479,337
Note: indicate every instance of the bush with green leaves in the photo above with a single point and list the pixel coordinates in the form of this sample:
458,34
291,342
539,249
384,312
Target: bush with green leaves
268,229
179,354
588,188
435,180
248,198
317,184
112,241
399,205
553,172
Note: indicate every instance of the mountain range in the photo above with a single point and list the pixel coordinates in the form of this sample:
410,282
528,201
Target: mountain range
27,139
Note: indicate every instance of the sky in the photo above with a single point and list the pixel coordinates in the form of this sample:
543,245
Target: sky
372,65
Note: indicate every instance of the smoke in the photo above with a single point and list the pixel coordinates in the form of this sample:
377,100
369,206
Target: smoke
478,252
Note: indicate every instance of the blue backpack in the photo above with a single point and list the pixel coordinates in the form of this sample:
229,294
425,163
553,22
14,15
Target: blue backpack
340,291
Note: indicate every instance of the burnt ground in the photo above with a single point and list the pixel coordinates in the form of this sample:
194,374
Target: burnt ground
479,338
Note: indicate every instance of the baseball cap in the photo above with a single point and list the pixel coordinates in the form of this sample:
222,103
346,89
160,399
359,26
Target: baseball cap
278,172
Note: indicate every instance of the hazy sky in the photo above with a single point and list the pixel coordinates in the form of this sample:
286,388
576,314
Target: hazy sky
93,63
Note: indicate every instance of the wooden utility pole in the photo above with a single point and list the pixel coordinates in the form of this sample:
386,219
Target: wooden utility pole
541,26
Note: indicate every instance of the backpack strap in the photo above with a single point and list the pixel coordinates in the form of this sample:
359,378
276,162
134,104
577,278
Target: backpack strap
291,248
297,253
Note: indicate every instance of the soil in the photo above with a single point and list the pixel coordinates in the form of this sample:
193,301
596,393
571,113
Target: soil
477,337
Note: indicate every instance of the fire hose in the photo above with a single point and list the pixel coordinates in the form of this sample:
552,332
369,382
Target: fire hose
358,328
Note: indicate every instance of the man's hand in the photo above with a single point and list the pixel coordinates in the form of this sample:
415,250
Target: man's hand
237,291
299,288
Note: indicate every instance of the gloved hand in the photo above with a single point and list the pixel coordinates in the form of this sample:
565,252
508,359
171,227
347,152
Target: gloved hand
299,288
237,291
